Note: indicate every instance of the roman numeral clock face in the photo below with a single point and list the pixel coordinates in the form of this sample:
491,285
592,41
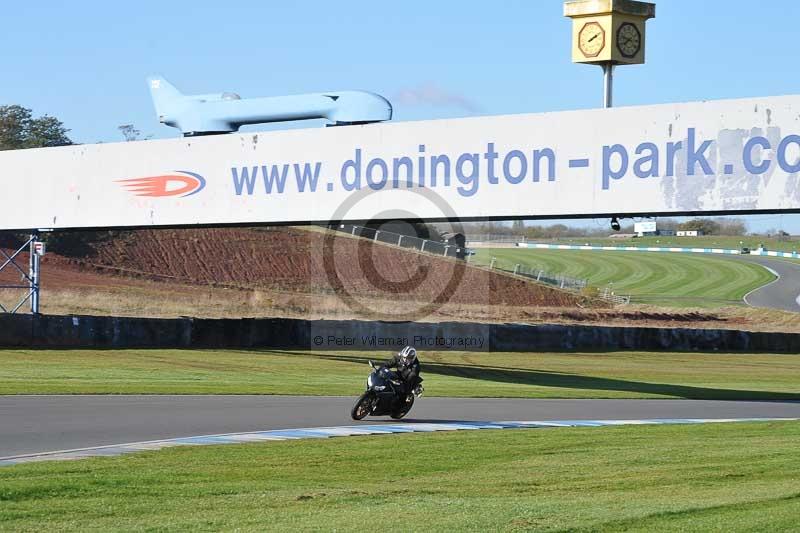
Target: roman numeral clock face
629,40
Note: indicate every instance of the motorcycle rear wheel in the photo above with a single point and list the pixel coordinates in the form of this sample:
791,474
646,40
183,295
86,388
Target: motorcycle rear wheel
362,407
403,411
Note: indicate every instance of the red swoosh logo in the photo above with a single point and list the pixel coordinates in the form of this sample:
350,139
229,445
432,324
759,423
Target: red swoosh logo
163,186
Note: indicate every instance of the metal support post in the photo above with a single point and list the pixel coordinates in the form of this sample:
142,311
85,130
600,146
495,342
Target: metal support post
33,273
608,85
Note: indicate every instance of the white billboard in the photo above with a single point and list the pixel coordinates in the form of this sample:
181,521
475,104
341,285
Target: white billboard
645,227
712,157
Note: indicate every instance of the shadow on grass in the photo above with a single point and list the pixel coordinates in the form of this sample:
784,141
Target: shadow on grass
520,376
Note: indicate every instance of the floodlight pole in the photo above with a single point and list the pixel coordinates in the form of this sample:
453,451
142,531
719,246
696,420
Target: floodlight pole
608,85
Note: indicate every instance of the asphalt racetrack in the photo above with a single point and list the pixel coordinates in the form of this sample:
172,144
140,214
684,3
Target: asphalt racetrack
36,424
784,292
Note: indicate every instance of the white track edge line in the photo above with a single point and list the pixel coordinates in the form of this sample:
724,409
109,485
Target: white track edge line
532,425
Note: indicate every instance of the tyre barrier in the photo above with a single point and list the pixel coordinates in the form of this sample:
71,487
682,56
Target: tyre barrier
54,331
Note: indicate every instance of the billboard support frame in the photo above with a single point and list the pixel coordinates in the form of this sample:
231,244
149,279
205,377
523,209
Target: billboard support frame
31,277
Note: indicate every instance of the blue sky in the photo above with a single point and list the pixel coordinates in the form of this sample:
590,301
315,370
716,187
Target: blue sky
85,61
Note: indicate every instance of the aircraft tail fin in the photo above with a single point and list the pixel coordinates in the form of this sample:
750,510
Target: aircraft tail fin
164,96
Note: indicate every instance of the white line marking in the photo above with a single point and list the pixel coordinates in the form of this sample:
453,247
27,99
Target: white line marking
243,437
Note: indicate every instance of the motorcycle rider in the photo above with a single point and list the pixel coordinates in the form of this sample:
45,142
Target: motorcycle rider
407,366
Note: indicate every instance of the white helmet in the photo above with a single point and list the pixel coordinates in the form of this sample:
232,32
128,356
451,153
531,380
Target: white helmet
408,355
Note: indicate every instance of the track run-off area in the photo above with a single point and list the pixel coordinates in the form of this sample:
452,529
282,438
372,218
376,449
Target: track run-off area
563,440
666,279
122,396
35,425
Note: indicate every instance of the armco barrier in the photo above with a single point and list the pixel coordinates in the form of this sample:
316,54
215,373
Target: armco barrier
47,331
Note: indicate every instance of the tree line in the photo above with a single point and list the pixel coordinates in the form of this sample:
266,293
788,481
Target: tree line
19,129
708,226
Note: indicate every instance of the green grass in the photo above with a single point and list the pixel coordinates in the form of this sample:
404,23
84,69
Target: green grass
461,374
653,278
714,477
791,244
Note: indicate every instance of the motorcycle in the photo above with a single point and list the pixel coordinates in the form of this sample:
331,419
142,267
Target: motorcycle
383,396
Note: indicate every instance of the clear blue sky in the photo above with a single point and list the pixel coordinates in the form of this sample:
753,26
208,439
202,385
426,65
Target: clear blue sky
85,62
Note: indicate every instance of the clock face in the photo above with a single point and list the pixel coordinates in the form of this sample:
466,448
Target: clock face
629,39
591,39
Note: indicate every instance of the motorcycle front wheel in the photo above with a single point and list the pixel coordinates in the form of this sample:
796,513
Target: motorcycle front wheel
362,407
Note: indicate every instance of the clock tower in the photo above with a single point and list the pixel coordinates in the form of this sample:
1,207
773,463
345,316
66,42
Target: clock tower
608,31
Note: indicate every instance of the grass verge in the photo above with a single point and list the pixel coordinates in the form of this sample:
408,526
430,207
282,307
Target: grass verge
668,279
460,374
714,477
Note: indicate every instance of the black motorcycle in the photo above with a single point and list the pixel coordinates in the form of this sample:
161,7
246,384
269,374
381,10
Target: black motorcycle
384,396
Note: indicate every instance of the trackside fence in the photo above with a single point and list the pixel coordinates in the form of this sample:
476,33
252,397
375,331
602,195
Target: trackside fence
495,239
450,250
608,295
403,241
560,281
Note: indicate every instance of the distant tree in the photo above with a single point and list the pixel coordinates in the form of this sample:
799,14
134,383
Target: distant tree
558,230
534,232
18,129
129,132
487,228
705,225
731,226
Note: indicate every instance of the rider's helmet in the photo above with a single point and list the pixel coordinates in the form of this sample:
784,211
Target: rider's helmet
408,355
